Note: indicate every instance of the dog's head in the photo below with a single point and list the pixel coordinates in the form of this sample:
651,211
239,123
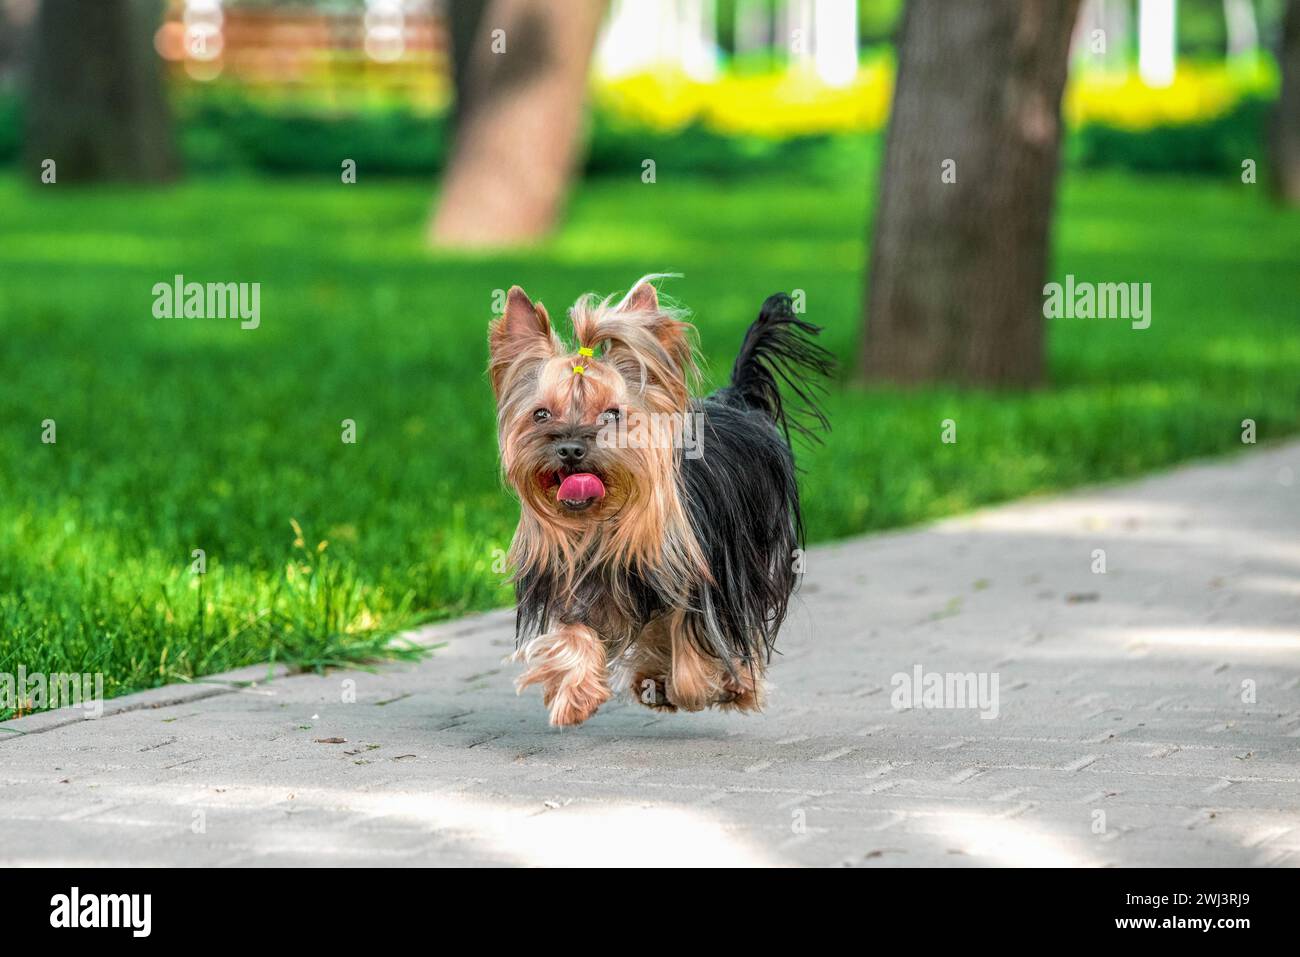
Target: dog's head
581,430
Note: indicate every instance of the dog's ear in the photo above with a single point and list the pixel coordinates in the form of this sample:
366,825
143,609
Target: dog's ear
521,319
641,306
644,298
523,331
647,342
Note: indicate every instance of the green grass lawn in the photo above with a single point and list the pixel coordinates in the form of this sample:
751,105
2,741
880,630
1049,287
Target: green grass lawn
174,435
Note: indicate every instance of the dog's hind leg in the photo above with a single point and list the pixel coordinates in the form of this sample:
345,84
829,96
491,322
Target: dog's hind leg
743,690
667,670
694,678
699,680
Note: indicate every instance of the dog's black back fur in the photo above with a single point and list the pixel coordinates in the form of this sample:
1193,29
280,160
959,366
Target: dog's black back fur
742,494
742,498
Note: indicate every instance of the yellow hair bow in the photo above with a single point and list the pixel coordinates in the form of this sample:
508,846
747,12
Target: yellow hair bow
583,351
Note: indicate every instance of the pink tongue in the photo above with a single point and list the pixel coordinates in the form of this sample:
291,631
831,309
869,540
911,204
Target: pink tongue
580,487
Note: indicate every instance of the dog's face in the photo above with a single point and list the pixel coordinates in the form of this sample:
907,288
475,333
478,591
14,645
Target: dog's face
563,417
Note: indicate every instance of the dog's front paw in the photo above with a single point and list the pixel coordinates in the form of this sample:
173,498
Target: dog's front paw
652,692
569,664
573,704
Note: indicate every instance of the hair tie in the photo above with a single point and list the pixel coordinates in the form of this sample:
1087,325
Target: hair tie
583,351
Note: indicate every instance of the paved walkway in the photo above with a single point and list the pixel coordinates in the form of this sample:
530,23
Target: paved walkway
1125,734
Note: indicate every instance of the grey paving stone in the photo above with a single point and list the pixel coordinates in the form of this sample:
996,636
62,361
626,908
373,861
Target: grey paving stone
1122,735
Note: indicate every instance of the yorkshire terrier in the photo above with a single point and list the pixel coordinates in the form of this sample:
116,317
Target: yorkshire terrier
659,534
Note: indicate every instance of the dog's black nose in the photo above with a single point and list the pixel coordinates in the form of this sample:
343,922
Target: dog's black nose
570,451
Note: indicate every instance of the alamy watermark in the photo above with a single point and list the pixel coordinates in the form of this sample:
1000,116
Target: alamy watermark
132,912
934,689
654,430
1105,300
23,692
214,300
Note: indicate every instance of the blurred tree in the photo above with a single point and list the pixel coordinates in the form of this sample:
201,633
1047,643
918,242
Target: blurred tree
464,17
1286,125
95,103
959,255
15,30
1241,29
522,85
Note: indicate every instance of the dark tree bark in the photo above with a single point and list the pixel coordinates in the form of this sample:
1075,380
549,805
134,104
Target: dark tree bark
14,43
1286,121
519,122
464,17
96,104
957,268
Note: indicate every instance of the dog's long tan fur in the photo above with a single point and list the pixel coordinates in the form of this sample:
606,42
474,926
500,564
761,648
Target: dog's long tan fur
646,364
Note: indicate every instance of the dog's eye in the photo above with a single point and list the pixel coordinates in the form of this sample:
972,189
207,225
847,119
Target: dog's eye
609,415
541,415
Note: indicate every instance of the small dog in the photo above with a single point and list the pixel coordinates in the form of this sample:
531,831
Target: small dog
640,560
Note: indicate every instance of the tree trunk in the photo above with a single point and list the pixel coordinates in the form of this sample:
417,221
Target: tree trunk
96,104
957,268
15,48
1286,123
519,125
464,17
1242,29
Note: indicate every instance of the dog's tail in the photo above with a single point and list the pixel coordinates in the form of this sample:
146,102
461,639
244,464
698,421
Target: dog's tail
779,348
